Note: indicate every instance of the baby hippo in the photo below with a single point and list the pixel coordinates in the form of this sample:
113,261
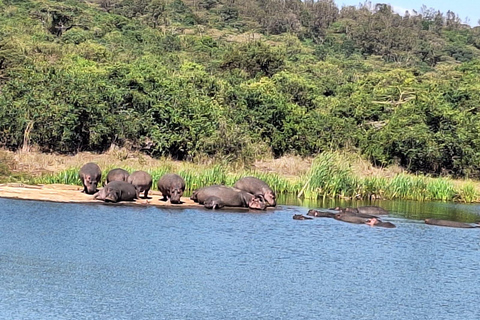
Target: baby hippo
142,181
90,175
171,186
116,191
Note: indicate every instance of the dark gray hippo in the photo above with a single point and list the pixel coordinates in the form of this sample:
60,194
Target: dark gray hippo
171,186
374,222
116,191
448,223
90,175
320,214
142,181
117,174
355,212
301,217
351,218
213,203
229,197
256,186
374,210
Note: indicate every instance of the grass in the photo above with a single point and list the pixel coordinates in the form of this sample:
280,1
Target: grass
330,175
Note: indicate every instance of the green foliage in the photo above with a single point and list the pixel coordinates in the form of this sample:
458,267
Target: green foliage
80,76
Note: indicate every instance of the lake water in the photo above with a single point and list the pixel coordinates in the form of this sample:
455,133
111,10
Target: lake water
73,261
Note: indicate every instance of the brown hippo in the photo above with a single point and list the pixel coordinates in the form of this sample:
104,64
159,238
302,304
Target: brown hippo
346,217
116,191
229,197
142,181
117,174
320,214
90,175
448,223
171,186
374,222
213,203
301,217
256,186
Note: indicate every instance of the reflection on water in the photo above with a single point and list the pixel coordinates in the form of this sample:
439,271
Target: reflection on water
72,261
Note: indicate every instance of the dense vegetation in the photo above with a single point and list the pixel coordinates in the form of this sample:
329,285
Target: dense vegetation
237,80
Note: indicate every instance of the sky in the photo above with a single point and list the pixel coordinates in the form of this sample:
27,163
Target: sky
463,8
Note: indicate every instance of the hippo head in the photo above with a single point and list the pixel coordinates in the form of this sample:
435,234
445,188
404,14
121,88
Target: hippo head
91,184
111,196
270,198
258,203
213,203
175,195
100,195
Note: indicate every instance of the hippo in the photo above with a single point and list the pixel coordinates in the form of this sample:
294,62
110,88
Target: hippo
229,197
375,210
142,181
171,186
116,191
301,217
213,203
90,175
448,223
374,222
117,174
320,214
256,186
355,212
346,217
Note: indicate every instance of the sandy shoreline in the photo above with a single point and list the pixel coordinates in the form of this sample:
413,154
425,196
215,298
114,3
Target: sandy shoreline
72,194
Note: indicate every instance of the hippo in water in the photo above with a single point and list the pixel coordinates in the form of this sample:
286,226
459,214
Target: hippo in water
90,175
229,197
351,218
142,181
320,214
448,223
355,212
256,186
117,174
116,191
301,217
374,222
171,186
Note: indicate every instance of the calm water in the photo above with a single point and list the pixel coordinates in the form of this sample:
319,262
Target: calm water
72,261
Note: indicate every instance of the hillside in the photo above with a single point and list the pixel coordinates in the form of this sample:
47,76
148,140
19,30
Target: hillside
241,80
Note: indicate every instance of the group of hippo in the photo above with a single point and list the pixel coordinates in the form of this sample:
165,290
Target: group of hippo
370,215
248,192
124,186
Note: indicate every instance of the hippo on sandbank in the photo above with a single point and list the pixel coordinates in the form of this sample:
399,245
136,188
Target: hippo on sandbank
229,197
171,186
117,174
142,181
116,191
90,175
213,202
256,187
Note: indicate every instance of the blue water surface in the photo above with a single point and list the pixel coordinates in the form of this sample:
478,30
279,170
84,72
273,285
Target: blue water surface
75,261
